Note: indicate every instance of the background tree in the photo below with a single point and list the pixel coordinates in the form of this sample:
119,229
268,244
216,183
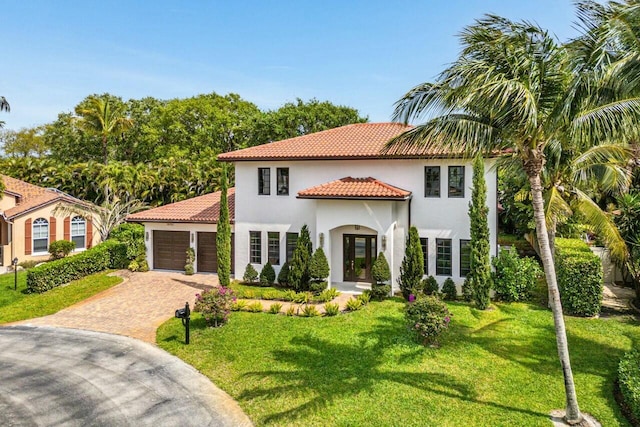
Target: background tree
223,236
299,275
27,142
412,267
511,88
480,256
104,116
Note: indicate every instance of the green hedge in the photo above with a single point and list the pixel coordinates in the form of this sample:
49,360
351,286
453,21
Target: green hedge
110,254
579,273
629,381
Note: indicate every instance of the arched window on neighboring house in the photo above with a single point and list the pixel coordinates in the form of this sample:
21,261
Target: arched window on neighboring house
40,236
79,232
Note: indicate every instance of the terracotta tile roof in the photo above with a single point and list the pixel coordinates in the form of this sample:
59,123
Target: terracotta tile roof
201,209
356,141
30,197
355,188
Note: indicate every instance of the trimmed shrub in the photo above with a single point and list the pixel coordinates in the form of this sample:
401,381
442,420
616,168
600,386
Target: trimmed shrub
430,286
514,278
319,266
449,290
331,309
283,275
412,267
215,305
191,257
133,266
223,234
427,317
250,274
61,248
143,266
109,254
579,273
629,381
133,236
317,287
381,274
267,275
480,258
255,307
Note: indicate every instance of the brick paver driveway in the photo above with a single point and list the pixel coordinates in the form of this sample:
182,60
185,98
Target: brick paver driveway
134,308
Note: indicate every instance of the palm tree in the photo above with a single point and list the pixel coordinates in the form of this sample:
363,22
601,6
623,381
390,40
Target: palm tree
509,91
4,106
104,116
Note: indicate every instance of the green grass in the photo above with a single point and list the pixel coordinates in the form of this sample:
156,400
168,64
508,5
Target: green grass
18,305
494,368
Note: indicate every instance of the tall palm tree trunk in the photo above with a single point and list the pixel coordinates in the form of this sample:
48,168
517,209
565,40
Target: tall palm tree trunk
573,415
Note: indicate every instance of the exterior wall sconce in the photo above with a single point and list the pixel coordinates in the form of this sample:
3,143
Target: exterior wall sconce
146,236
357,227
384,243
321,239
192,237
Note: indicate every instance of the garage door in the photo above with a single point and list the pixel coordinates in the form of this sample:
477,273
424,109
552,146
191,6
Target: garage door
170,249
208,254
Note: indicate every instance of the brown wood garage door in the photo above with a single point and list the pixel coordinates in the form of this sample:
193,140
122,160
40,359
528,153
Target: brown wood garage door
208,254
170,249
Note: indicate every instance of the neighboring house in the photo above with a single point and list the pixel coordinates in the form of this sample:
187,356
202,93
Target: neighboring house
171,229
28,224
356,202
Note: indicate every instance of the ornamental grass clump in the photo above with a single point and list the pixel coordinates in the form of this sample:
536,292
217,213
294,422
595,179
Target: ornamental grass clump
215,305
427,317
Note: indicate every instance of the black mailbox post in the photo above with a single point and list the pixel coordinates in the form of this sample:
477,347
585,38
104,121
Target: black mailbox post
185,315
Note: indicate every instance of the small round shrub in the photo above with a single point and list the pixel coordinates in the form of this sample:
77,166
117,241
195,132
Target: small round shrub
430,286
61,248
275,308
365,297
309,311
380,291
215,305
449,290
267,275
250,274
354,304
255,307
629,381
143,266
133,266
427,317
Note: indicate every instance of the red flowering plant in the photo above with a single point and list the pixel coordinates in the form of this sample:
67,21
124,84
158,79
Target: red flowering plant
215,305
428,317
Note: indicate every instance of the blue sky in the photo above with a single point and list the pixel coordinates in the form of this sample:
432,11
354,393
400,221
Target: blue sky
364,54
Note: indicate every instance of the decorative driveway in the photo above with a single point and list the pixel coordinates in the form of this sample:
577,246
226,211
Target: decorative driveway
134,308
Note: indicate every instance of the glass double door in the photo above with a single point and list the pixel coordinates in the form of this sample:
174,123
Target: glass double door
359,255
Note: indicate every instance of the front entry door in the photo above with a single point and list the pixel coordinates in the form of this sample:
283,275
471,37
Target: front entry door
359,255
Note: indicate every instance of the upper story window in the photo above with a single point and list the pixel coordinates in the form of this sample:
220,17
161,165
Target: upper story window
78,232
432,181
264,181
40,235
282,181
456,181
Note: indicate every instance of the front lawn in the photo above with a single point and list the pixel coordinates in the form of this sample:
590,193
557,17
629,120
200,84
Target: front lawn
18,305
497,368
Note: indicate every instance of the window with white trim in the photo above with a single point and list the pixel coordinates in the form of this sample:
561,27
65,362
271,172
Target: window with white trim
79,231
40,235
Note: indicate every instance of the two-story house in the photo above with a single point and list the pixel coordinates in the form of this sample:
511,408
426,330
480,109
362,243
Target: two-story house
356,201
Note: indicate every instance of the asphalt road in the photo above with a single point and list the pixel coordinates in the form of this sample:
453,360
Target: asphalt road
67,377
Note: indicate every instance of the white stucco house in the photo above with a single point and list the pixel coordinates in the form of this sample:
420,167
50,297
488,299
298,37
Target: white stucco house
356,201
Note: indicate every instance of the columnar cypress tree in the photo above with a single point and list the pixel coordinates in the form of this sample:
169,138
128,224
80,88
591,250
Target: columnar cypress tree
319,266
480,258
299,266
223,236
412,267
